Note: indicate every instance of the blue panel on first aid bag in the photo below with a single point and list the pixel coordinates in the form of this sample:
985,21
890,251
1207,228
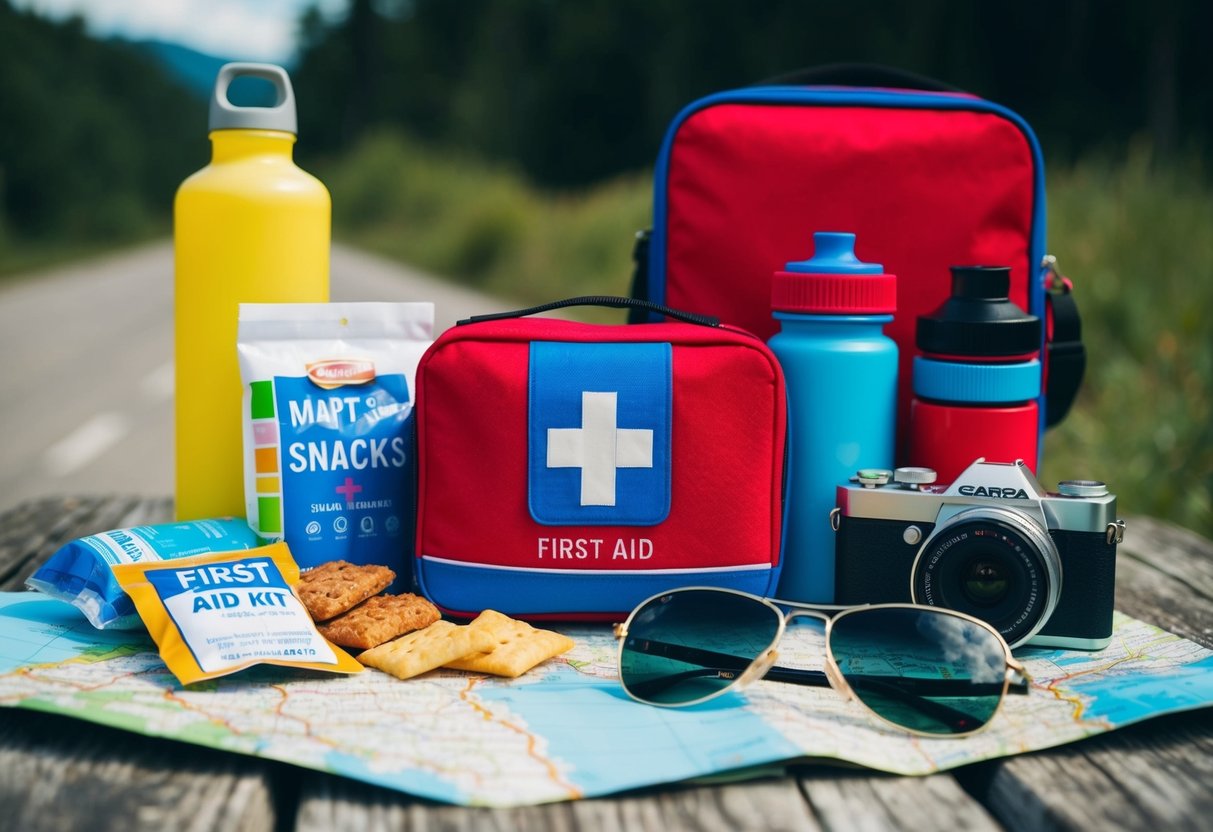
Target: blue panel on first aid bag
599,427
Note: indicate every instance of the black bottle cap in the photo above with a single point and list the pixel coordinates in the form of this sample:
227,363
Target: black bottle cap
979,317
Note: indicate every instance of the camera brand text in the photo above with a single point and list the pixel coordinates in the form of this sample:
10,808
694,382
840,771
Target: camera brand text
993,491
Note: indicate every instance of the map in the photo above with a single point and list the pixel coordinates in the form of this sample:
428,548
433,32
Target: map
564,730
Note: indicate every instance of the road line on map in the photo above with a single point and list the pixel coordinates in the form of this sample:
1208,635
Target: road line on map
85,443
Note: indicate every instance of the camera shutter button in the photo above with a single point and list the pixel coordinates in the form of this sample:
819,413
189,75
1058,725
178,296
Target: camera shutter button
1082,488
872,477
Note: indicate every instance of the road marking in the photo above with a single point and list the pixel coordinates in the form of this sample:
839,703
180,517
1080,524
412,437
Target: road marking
157,386
85,443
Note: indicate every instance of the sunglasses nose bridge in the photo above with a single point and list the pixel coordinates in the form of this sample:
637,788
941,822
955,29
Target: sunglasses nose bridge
758,668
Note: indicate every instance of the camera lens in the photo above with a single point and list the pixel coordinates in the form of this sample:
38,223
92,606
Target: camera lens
985,582
996,564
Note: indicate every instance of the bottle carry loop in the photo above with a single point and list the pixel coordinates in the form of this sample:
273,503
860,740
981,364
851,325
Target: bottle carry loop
609,301
1065,355
224,115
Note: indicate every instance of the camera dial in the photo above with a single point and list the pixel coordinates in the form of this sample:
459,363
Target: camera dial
1082,488
994,563
912,478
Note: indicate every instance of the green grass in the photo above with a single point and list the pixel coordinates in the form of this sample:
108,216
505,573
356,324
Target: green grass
1137,241
484,226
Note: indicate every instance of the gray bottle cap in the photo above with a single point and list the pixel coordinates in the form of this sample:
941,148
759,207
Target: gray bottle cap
227,116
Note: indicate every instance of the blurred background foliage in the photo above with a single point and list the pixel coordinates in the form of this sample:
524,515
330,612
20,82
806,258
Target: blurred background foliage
508,145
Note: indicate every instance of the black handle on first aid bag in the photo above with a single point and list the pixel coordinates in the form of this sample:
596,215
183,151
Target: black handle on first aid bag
858,75
611,301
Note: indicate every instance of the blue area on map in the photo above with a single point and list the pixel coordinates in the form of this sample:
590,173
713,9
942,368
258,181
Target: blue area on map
611,742
1131,697
41,630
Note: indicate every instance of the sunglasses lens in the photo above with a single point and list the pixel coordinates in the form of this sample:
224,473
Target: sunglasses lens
689,645
925,670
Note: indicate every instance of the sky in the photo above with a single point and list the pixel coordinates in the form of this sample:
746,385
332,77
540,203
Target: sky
248,30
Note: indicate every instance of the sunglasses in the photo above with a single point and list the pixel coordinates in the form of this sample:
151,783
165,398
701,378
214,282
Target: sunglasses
928,670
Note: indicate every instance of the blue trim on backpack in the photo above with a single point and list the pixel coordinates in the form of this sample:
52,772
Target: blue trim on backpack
524,591
863,97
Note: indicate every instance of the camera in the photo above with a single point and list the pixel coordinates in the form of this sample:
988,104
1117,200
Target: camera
1040,567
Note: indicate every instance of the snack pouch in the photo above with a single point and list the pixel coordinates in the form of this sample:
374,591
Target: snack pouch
328,427
213,615
81,571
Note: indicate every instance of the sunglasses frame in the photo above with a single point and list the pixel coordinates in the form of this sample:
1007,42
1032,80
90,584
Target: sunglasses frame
1014,674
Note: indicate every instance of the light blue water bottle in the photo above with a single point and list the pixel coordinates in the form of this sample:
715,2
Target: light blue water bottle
841,372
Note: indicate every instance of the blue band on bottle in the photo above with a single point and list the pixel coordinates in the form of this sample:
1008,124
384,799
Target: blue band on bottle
976,383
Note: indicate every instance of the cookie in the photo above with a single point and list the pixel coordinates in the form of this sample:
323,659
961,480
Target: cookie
422,650
334,587
379,619
517,646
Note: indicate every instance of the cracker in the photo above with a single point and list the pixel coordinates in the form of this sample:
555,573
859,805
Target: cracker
334,587
379,619
517,646
422,650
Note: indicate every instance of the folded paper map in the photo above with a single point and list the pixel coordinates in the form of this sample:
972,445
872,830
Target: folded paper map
564,730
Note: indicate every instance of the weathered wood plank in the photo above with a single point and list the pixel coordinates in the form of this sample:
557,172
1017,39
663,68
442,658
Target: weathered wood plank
58,773
1149,776
330,803
32,531
825,799
863,801
1165,576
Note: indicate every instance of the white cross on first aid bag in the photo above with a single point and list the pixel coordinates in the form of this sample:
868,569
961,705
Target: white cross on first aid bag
570,470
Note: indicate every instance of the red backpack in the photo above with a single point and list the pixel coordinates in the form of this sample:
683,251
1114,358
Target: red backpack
926,178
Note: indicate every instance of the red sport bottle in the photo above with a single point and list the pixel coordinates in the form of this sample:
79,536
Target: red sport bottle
978,378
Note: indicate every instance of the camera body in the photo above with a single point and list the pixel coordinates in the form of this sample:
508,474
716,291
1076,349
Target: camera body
1040,567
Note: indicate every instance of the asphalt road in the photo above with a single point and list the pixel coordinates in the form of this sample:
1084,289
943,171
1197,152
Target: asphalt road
86,367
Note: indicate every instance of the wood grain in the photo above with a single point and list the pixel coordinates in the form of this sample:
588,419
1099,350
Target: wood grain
58,773
854,800
330,803
31,532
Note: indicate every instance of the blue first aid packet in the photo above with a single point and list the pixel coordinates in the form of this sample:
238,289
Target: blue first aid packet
80,572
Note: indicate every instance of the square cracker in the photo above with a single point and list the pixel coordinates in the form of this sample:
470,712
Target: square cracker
517,646
334,587
379,619
422,650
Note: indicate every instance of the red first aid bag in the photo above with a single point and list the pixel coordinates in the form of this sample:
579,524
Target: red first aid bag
570,470
926,178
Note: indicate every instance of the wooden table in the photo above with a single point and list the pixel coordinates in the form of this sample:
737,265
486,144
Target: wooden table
57,773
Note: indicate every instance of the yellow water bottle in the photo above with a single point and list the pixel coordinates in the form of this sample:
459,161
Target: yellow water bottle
250,227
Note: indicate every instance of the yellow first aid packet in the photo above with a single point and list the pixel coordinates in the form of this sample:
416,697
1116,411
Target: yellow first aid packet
216,614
